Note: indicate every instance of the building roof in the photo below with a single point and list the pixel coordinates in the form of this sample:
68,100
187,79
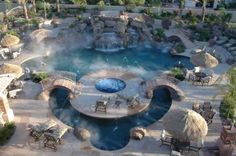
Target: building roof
5,80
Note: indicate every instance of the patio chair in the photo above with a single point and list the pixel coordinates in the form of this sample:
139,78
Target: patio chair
196,107
206,106
37,131
53,137
165,139
206,80
208,115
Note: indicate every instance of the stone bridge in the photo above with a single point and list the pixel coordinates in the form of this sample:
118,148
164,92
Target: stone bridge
149,86
51,83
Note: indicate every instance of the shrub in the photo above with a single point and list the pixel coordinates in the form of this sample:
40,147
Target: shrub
6,132
101,4
179,47
166,23
177,73
204,34
228,105
159,34
37,77
13,32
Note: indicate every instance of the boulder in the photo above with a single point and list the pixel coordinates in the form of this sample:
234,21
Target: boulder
81,133
138,133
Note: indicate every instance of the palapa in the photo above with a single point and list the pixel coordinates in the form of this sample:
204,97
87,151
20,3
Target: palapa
185,125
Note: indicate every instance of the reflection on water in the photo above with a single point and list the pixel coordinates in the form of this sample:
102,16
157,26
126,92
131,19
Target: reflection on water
109,134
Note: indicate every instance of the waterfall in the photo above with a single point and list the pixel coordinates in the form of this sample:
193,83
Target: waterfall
109,42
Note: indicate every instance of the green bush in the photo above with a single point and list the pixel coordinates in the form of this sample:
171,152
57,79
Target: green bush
6,132
228,105
13,32
204,34
37,77
177,73
179,47
159,34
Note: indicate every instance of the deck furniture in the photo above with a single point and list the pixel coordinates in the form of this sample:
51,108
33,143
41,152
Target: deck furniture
165,139
208,115
206,106
13,93
53,137
205,80
180,146
196,107
101,106
37,131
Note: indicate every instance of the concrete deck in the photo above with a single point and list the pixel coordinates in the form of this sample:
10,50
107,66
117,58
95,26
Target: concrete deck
85,103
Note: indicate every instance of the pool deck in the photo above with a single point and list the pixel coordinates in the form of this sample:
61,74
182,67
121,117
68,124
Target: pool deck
85,103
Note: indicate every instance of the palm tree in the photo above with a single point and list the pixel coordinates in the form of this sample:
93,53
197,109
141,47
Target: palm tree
82,3
204,2
34,6
58,6
181,6
25,10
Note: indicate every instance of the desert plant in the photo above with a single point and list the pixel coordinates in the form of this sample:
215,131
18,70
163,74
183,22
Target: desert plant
159,34
179,47
37,77
101,5
6,132
177,73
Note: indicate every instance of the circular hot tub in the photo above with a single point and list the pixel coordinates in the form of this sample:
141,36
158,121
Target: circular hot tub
110,85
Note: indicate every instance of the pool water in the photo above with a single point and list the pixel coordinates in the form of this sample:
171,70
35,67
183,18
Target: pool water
109,134
145,62
110,85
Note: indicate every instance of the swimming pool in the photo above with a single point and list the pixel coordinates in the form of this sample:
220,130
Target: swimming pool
110,134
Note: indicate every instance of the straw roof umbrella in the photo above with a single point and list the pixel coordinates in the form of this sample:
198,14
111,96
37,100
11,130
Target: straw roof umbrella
9,40
6,68
205,60
185,125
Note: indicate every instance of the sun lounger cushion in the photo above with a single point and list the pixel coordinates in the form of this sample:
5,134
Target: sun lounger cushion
44,126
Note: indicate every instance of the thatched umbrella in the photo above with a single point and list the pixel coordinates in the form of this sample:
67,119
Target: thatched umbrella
204,59
185,124
6,68
9,40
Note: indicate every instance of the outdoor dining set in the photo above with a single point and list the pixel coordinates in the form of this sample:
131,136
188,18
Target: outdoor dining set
205,110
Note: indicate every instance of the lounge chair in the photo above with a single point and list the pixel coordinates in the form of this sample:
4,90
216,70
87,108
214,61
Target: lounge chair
53,137
230,43
232,48
37,131
165,139
222,40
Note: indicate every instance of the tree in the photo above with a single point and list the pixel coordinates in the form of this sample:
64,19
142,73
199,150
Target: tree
101,4
204,2
82,3
181,6
58,6
25,10
34,6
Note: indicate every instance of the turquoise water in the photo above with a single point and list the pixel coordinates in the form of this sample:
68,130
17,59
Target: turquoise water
145,62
